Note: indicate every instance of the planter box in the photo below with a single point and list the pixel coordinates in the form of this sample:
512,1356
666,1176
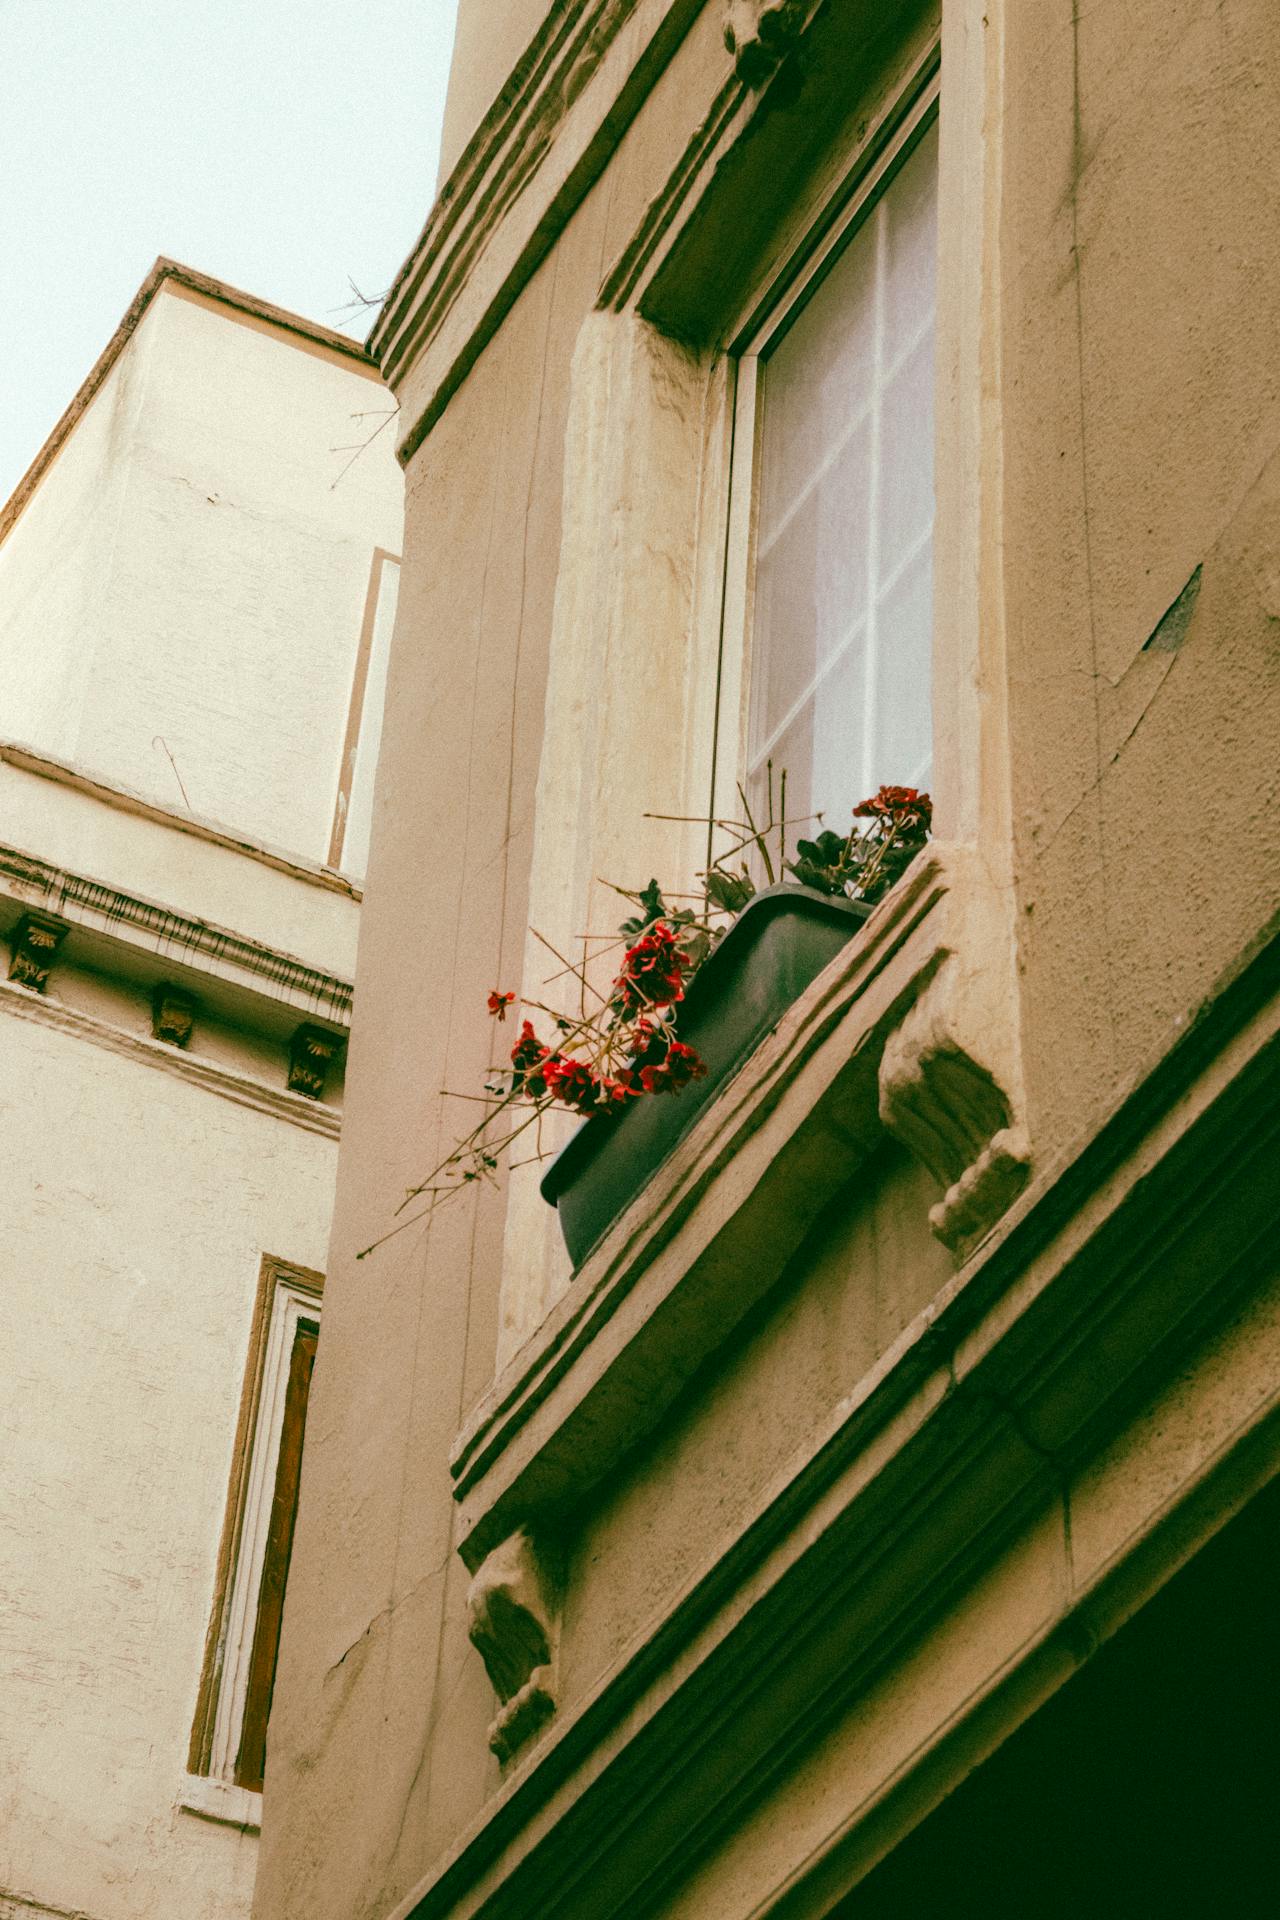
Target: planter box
779,943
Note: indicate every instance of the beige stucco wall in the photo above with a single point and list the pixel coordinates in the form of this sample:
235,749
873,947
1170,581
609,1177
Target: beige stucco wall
1141,288
1115,410
194,566
134,1211
451,838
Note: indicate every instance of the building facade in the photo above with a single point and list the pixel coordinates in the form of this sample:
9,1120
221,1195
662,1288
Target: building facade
886,392
192,624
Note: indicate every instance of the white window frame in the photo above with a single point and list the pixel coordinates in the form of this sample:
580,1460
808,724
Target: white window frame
777,304
288,1295
353,810
289,1306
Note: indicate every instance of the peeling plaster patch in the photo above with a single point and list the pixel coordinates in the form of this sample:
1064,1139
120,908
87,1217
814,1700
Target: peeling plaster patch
1171,630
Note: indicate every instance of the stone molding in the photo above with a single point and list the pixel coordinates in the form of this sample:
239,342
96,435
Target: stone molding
155,929
992,1407
33,948
952,1114
760,33
514,1625
312,1052
239,1088
173,1014
528,167
664,269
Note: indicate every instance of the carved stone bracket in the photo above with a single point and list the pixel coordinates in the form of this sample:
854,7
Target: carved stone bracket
513,1611
173,1014
946,1106
312,1051
33,946
758,33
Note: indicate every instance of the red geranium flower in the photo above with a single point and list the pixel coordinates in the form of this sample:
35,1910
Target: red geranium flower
499,1002
574,1084
681,1065
652,972
898,806
529,1061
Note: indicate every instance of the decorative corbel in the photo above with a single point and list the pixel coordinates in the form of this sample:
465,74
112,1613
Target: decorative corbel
312,1051
514,1623
946,1106
33,946
759,33
173,1014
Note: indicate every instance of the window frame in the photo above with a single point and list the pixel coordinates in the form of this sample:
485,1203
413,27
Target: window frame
287,1297
362,736
784,291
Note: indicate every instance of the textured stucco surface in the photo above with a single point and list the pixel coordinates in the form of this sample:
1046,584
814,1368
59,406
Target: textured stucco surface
1141,293
1115,410
451,836
187,569
134,1211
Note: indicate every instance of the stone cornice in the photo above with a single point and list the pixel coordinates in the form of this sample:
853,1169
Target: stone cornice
158,930
240,1088
529,165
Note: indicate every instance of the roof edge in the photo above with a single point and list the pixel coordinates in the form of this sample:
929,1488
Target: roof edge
212,288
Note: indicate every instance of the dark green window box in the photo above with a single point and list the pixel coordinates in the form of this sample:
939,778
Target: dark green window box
779,943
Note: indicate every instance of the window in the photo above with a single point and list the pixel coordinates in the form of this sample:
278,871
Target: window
831,514
228,1742
353,815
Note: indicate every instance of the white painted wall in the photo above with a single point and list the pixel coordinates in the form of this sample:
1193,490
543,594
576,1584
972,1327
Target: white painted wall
186,567
193,567
134,1209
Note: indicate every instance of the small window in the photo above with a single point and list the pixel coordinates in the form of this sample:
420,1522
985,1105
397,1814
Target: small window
831,512
228,1744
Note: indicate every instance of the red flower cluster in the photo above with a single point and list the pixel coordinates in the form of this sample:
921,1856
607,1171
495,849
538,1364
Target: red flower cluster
897,806
499,1002
680,1065
529,1060
539,1072
652,972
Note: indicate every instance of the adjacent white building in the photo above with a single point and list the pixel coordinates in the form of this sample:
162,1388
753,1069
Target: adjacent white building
196,589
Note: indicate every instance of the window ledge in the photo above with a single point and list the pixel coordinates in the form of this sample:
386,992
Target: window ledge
710,1233
221,1800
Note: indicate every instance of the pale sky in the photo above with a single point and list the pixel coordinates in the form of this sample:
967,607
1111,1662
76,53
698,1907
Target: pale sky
283,145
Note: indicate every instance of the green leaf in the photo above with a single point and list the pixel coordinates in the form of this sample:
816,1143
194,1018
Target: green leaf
728,891
695,945
652,907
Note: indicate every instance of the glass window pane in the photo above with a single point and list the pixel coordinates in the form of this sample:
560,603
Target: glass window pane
906,456
901,736
842,623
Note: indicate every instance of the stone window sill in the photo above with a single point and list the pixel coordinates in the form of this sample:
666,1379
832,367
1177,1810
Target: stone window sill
222,1801
713,1229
